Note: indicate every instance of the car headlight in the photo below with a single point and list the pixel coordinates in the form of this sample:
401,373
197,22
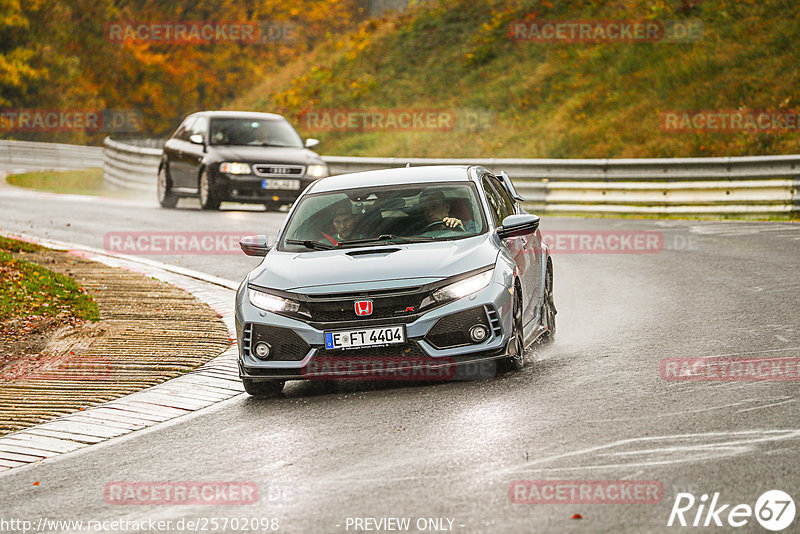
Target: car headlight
465,287
318,171
234,167
272,303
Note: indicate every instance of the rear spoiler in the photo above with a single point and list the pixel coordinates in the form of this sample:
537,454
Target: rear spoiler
507,182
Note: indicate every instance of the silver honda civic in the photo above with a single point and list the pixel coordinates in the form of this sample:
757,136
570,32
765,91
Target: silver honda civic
412,274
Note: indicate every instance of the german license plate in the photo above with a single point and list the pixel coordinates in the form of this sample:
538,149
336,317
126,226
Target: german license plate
279,183
365,337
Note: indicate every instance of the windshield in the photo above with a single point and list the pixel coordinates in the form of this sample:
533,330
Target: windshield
253,132
377,215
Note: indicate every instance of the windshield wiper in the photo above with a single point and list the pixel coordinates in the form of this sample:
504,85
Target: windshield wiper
386,238
315,245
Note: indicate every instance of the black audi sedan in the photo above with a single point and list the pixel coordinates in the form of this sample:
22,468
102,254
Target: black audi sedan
237,156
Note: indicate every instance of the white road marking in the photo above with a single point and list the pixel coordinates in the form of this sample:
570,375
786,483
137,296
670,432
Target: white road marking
690,448
767,406
698,410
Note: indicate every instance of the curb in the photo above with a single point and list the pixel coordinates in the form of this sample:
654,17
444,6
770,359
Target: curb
209,384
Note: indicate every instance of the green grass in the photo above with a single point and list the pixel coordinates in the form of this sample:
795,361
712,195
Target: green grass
549,100
15,245
77,182
29,289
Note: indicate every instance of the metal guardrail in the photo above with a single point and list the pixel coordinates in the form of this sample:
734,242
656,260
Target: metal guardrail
714,186
28,155
129,166
692,186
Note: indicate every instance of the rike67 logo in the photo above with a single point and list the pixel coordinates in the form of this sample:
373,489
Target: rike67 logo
774,510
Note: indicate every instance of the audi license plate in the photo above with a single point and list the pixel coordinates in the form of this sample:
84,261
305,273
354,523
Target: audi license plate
280,183
365,337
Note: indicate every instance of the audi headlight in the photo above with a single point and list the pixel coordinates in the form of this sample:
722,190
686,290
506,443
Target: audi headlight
234,167
272,303
318,171
465,287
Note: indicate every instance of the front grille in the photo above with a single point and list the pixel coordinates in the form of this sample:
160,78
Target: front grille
285,344
278,171
401,305
453,330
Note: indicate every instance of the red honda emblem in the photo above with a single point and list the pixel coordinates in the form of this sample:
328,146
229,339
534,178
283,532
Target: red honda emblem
363,307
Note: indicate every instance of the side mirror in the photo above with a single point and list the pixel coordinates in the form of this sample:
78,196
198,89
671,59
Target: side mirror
255,245
517,225
197,139
312,143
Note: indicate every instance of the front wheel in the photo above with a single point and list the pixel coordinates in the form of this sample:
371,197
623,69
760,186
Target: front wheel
548,308
209,199
263,388
516,345
166,198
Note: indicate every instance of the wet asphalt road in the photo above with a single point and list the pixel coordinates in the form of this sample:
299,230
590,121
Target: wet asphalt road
592,406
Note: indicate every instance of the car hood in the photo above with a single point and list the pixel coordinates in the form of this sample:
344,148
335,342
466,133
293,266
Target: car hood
266,154
357,269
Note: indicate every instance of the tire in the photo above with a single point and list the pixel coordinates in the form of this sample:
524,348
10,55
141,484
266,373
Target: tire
273,206
166,198
516,345
548,308
263,388
209,198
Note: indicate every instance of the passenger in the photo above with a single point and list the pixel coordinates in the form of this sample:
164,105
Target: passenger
342,226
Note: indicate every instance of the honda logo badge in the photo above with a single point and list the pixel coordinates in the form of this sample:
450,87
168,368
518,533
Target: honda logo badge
363,307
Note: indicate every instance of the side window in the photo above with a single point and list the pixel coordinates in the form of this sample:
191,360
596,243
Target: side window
508,202
200,126
184,130
504,205
495,204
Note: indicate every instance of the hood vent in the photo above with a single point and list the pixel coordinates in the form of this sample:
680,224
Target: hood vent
371,251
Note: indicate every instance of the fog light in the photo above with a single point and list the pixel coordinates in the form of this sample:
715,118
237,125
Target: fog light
262,350
478,333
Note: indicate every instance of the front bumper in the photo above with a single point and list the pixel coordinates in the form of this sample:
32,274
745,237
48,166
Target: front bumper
248,188
417,359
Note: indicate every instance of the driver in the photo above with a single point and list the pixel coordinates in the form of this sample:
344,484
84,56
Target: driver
437,208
